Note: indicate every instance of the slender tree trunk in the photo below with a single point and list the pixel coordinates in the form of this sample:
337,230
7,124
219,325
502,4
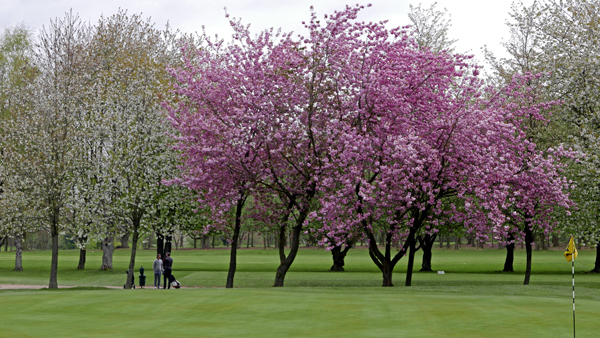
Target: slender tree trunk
137,215
510,254
108,247
338,256
597,263
19,254
160,245
411,262
286,262
528,248
234,244
53,284
82,254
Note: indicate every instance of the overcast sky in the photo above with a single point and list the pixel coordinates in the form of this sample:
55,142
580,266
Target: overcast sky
475,23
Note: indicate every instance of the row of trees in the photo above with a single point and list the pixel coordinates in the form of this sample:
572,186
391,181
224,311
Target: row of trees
83,144
355,128
349,132
560,38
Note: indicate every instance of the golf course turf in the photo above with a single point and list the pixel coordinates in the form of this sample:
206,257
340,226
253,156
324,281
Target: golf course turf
472,298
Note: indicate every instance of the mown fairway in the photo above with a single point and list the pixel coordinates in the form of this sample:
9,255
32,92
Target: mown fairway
471,300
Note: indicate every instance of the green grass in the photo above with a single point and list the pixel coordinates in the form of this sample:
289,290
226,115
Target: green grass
472,299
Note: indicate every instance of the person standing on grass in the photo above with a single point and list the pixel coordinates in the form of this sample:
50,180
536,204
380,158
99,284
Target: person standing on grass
157,267
168,268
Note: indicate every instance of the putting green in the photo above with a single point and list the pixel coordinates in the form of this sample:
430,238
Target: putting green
292,312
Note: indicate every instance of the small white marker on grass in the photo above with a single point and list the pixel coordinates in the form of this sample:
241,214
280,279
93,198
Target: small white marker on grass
441,272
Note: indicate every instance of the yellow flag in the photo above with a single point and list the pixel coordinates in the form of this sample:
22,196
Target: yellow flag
571,253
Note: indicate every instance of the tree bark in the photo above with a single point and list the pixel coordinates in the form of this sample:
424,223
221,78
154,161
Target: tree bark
125,241
510,254
411,262
338,256
53,284
597,263
427,245
286,262
555,241
136,218
18,253
108,247
82,254
387,271
160,245
234,244
168,244
528,248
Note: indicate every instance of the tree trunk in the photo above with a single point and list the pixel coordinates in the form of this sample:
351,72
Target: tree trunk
53,284
125,241
168,244
286,262
234,244
338,256
160,245
108,247
18,253
427,245
510,254
137,216
387,271
555,241
411,262
470,239
528,241
81,264
597,263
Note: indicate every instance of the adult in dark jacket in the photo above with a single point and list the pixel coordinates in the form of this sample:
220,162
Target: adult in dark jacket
168,266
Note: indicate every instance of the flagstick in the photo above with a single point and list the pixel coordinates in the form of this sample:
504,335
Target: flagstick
573,273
